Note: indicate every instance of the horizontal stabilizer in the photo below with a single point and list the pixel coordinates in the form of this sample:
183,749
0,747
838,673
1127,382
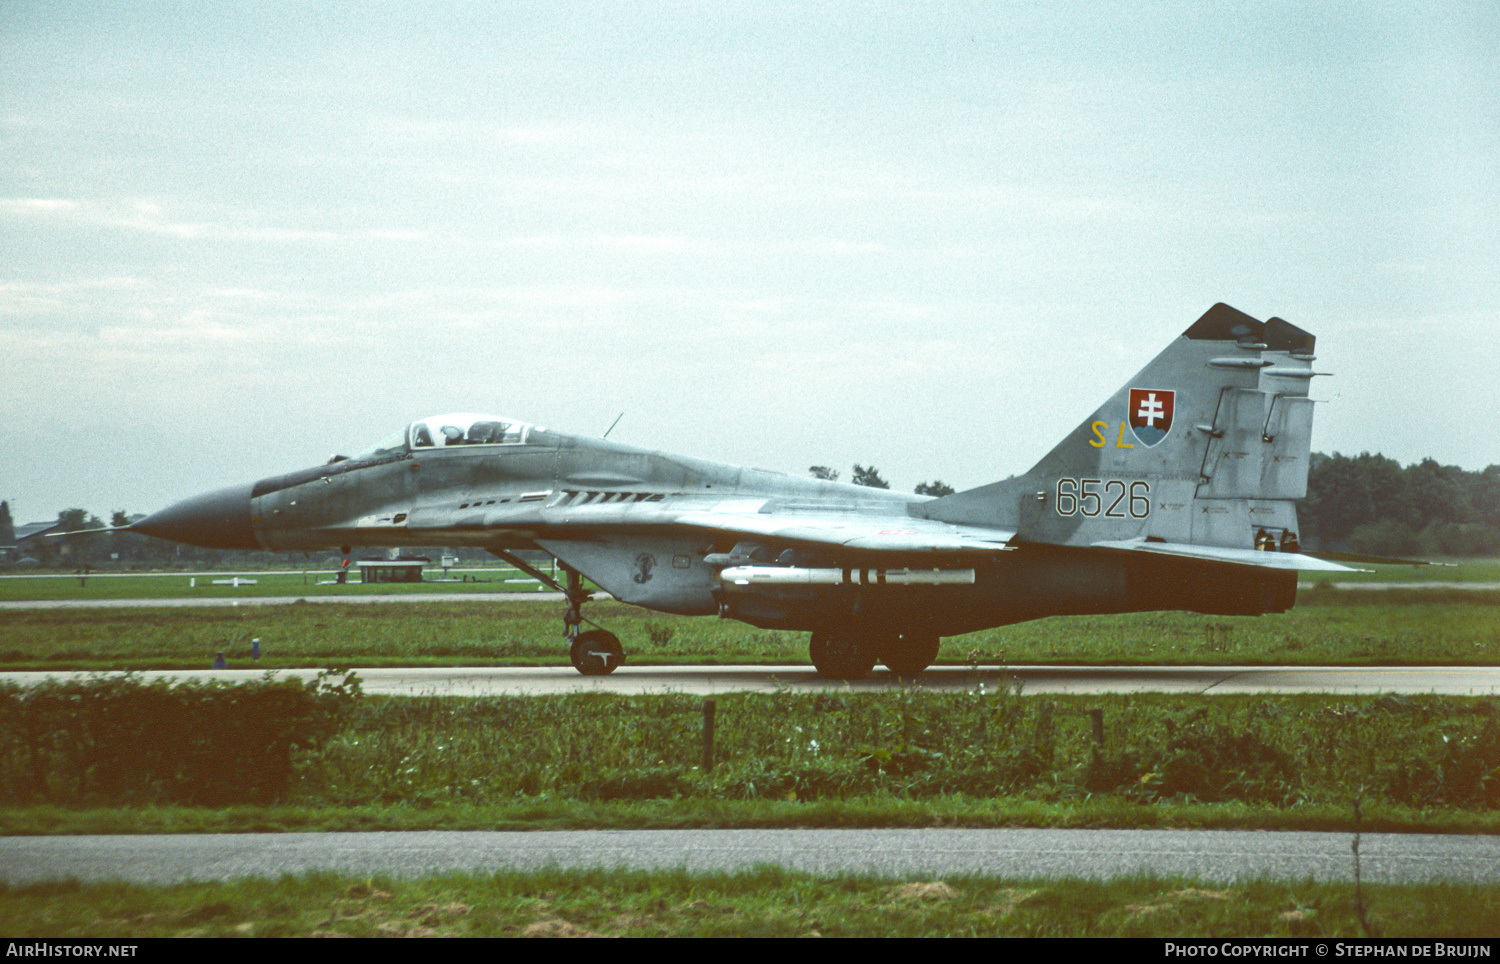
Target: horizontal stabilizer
1297,561
1369,560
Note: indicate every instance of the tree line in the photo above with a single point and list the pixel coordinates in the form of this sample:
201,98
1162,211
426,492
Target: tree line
870,476
1371,504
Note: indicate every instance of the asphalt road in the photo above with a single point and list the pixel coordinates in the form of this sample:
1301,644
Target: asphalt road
1209,856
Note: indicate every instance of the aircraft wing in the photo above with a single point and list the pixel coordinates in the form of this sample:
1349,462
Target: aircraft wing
1242,557
854,531
872,531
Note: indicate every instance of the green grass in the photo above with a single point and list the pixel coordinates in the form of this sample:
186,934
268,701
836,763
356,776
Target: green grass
872,811
1289,754
765,902
1329,626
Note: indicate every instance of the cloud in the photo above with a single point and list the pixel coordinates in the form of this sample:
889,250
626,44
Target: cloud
150,217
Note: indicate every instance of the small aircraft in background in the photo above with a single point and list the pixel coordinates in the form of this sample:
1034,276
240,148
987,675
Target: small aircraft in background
1177,493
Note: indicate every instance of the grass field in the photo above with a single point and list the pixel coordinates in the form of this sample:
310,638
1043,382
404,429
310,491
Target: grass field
761,903
1329,626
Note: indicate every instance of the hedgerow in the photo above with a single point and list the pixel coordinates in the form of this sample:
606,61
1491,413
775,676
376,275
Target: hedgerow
122,740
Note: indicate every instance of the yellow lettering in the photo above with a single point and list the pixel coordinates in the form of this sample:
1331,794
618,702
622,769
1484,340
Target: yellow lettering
1120,442
1098,434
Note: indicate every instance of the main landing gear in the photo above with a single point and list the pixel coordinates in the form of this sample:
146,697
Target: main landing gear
850,654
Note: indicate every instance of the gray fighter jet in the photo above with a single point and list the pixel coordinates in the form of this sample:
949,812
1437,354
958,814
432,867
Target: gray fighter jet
1176,494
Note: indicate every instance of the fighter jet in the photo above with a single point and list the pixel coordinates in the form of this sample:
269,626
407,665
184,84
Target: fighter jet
1177,493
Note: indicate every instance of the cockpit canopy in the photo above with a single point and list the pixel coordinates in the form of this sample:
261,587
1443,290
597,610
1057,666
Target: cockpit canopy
463,428
466,429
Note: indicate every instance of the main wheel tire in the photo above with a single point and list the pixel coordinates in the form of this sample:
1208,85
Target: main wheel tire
597,653
841,654
909,654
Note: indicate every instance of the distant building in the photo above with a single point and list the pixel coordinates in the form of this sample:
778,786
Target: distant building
405,569
28,539
35,530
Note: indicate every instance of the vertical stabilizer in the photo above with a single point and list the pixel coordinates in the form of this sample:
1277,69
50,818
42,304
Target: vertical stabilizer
1207,445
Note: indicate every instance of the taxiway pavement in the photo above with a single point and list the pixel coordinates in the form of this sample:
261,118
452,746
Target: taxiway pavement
711,680
1205,855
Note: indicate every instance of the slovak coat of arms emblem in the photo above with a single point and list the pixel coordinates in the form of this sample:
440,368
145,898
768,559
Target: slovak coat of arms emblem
1151,414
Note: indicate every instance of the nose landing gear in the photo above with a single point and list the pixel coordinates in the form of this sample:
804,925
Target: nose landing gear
595,652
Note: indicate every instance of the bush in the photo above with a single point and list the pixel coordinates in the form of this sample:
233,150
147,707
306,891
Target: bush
121,740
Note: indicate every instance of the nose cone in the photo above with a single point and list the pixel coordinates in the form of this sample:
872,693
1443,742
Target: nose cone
217,520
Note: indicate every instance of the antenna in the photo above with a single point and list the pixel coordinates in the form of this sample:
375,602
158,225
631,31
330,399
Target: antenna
612,425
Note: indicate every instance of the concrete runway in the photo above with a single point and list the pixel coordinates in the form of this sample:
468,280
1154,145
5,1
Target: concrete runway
709,680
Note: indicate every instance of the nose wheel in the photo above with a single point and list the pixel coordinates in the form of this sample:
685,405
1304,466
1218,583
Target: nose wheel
596,653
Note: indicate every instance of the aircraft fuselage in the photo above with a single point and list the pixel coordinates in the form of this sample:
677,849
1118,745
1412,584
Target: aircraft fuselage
1177,493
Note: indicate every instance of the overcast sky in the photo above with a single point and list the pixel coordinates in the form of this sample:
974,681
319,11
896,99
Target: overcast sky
236,238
